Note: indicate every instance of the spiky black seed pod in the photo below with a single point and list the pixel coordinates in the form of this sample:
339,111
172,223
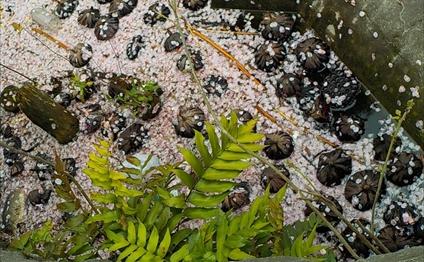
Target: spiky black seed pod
183,62
194,5
340,90
329,214
173,42
404,169
400,214
270,178
106,27
269,56
10,157
189,120
37,198
349,128
333,167
93,123
278,145
132,138
134,47
157,12
89,17
122,7
361,189
80,55
395,238
8,99
277,27
354,241
65,8
238,198
216,85
63,99
102,2
381,146
313,54
288,85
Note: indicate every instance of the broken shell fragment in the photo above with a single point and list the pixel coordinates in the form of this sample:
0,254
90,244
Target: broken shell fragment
278,145
106,27
215,84
183,63
89,17
173,42
80,55
189,120
45,19
66,8
134,47
238,198
157,12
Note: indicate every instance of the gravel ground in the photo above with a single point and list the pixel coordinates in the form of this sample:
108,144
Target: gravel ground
28,55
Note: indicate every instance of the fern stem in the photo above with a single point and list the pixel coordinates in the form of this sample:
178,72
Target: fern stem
174,7
386,163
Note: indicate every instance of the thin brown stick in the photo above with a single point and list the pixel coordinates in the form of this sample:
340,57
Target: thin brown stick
50,38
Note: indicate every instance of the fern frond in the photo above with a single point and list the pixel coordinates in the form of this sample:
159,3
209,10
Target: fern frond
215,169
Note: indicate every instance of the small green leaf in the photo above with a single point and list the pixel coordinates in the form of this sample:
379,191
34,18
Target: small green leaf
153,240
193,161
186,178
183,252
229,155
131,232
104,217
215,174
126,252
230,165
211,186
237,254
141,235
177,202
202,200
201,147
202,213
20,242
250,147
164,244
221,234
136,255
250,138
213,139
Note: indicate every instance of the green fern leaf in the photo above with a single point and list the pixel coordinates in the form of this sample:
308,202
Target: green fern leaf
137,254
129,250
193,161
164,244
153,241
131,233
186,178
210,186
141,235
201,213
237,254
207,201
182,253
